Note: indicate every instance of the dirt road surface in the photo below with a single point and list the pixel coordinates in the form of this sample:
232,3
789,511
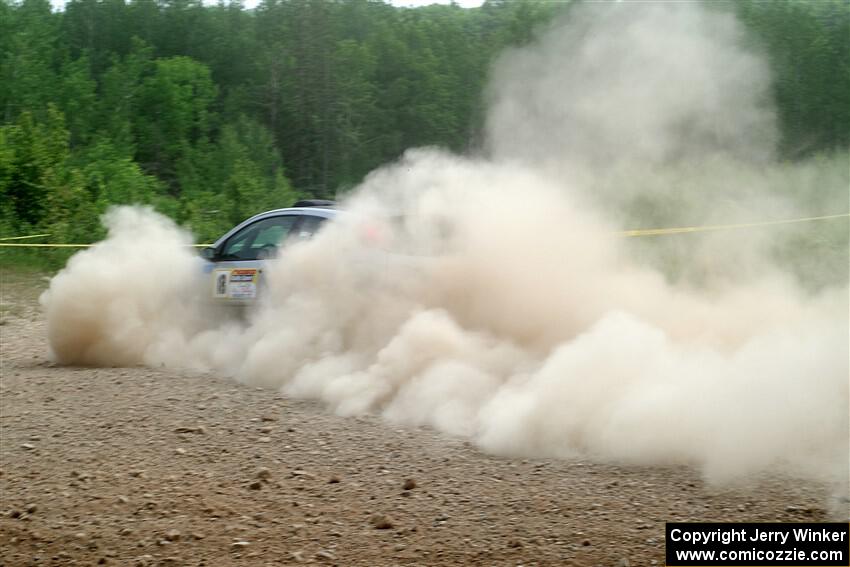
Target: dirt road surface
141,466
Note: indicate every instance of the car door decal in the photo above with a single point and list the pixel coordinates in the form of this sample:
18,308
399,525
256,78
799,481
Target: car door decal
243,284
236,283
220,278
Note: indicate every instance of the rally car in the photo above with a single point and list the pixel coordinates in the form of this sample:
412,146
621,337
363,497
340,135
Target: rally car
234,264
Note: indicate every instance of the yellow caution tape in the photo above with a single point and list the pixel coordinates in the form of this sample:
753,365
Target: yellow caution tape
24,237
634,232
685,229
26,245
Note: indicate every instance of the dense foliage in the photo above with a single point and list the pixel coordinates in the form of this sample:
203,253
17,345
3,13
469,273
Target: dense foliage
212,113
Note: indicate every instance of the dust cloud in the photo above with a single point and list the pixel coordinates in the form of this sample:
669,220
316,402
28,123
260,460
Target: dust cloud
508,309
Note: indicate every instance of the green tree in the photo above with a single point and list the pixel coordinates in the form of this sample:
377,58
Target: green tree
226,182
35,156
119,95
28,77
808,44
173,113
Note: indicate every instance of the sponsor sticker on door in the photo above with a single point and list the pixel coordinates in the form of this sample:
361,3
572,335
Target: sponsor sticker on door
243,284
235,284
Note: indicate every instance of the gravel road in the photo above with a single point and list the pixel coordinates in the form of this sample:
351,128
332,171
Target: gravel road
140,466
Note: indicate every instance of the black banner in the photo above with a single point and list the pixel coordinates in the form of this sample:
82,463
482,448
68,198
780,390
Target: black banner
768,544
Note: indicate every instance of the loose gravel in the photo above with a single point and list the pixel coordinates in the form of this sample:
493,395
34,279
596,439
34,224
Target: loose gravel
142,466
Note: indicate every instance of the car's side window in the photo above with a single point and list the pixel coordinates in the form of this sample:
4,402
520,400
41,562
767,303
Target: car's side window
309,226
258,240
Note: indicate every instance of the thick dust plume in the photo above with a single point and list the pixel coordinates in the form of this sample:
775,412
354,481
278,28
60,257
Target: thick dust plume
502,304
660,114
114,300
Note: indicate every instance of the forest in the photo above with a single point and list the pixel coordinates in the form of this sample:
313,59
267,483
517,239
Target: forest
211,113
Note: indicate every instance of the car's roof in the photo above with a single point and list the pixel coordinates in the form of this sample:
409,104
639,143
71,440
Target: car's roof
299,210
315,203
